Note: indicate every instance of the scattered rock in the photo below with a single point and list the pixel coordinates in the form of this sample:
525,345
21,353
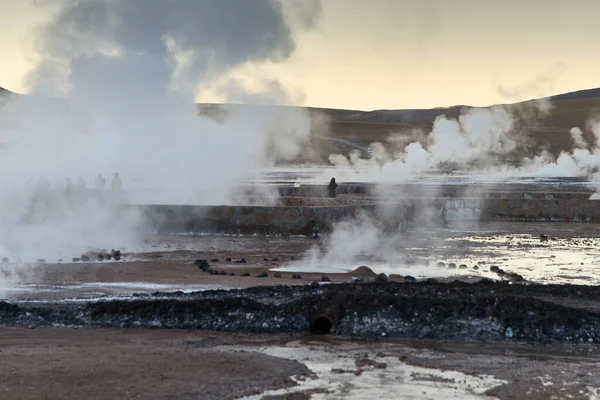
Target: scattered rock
107,257
364,362
380,278
296,276
315,284
409,278
100,257
452,265
462,266
240,261
325,279
494,268
215,260
115,253
396,278
292,258
543,238
232,274
75,259
4,260
262,275
356,279
245,274
274,259
202,264
341,371
475,267
277,275
363,271
85,258
265,259
441,264
223,273
228,259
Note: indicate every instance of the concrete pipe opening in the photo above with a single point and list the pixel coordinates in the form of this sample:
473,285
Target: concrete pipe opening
321,325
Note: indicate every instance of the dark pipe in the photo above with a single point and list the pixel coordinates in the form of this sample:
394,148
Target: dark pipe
321,325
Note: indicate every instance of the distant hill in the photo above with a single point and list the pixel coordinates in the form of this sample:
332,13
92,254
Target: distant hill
550,131
6,92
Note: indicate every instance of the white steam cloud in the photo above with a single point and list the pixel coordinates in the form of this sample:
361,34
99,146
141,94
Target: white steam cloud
481,142
114,92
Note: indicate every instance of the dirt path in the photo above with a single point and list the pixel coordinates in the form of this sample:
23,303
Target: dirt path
158,364
134,364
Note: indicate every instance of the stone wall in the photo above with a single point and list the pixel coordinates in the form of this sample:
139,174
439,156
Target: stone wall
246,220
418,190
564,210
531,209
298,219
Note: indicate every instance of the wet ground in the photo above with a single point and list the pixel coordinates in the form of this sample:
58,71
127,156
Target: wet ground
479,329
161,365
570,254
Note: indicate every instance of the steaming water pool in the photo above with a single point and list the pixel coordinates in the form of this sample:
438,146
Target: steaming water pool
571,255
334,378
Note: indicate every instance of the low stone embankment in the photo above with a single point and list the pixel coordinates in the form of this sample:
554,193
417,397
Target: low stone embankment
294,218
424,310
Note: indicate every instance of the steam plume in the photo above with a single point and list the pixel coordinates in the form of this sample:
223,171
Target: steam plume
114,91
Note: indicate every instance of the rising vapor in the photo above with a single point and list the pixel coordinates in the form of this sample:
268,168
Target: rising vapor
114,91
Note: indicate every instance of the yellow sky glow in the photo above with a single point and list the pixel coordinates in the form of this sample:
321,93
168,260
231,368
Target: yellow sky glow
372,54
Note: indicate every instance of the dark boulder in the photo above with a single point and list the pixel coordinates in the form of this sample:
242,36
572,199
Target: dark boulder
202,264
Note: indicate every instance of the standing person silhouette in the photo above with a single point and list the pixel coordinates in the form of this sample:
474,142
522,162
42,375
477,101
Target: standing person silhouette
100,182
116,185
331,188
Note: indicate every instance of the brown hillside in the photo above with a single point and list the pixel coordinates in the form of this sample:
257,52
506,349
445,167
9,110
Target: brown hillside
550,131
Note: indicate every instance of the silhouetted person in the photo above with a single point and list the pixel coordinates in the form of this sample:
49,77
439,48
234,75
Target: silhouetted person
331,188
116,185
100,182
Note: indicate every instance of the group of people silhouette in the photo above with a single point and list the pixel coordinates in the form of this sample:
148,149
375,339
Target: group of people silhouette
116,184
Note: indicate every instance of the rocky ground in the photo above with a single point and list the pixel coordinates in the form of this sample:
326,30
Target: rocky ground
483,310
134,364
539,340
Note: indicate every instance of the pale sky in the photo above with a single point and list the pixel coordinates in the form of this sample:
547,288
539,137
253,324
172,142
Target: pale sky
372,54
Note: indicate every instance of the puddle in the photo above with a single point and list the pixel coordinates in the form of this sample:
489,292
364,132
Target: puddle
98,290
385,378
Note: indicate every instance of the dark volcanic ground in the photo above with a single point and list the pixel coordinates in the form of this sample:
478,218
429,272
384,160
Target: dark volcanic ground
484,310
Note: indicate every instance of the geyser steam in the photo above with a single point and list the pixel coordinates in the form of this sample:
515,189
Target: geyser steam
114,92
